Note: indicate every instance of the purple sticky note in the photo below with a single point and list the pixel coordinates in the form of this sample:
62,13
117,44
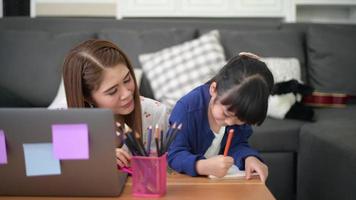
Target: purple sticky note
70,141
3,153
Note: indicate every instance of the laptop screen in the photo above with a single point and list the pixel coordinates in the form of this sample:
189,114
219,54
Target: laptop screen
58,153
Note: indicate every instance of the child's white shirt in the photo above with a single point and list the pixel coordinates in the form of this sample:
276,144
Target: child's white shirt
214,148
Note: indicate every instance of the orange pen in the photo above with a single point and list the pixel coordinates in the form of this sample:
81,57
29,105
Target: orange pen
228,142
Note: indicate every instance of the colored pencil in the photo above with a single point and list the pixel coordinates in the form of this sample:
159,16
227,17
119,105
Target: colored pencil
131,147
149,138
140,144
228,142
173,135
169,131
131,136
156,140
161,143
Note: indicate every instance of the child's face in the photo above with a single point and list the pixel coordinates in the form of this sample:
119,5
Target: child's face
219,112
116,90
222,116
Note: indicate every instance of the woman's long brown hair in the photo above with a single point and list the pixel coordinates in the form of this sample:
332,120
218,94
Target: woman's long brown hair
83,71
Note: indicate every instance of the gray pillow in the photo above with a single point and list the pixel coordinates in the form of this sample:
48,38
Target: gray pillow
331,55
136,42
265,43
31,63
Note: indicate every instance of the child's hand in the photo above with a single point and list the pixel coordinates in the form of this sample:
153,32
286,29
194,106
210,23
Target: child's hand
252,164
122,157
217,165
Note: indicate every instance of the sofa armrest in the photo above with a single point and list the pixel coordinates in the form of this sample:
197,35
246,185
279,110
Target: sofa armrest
327,160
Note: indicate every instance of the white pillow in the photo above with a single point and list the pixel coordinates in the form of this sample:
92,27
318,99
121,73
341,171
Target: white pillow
279,105
138,74
176,70
60,101
283,69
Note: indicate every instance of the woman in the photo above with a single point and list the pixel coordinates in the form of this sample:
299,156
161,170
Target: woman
97,73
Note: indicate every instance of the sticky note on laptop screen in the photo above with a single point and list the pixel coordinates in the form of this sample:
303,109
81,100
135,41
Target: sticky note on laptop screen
3,153
39,160
70,141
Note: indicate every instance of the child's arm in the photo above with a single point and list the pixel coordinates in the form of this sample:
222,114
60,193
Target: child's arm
240,149
180,156
246,157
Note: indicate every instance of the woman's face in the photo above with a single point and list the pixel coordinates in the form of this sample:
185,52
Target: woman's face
116,90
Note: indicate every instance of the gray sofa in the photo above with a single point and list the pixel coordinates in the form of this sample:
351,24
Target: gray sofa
306,160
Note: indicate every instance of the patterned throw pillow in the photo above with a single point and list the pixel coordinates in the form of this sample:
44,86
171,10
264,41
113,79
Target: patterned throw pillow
176,70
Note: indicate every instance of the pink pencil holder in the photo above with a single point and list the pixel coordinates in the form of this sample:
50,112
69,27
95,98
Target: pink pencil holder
149,177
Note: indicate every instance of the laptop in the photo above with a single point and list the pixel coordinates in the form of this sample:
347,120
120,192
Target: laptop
96,176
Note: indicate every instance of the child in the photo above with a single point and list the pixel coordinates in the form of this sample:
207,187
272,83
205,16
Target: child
98,74
235,98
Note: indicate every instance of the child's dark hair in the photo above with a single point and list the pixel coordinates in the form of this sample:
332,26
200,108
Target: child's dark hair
244,85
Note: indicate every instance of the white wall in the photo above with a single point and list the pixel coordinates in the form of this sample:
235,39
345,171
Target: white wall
326,14
328,11
96,8
206,8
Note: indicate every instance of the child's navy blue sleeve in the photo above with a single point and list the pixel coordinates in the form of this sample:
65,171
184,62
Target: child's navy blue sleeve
240,149
180,157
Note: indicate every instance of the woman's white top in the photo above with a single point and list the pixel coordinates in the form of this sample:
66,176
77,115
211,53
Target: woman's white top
153,112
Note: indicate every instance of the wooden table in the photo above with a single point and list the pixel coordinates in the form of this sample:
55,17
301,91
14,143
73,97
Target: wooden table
182,187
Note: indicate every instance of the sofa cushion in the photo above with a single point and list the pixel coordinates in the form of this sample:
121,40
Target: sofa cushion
135,42
32,61
271,43
176,70
8,99
331,54
276,135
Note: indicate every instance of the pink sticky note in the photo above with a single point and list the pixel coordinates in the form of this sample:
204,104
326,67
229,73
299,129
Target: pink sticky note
3,153
70,141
